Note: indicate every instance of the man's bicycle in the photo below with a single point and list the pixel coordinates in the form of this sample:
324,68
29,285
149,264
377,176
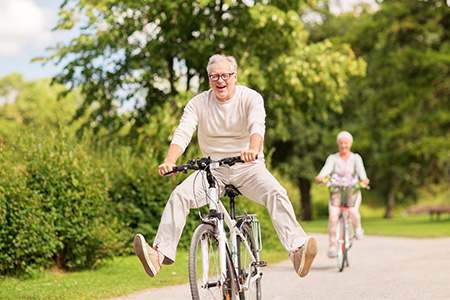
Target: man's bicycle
222,267
345,187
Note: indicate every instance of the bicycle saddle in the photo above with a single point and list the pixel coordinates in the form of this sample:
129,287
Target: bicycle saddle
231,191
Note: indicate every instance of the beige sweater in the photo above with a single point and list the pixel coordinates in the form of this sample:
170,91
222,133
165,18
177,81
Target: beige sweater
224,128
354,166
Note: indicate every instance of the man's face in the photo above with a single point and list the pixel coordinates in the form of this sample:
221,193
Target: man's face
224,89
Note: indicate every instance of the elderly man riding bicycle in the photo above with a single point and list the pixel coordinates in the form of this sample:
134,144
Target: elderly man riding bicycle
231,122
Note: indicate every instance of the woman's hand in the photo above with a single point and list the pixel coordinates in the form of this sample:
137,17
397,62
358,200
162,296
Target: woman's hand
319,179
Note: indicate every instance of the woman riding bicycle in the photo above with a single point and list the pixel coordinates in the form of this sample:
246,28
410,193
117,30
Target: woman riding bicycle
231,122
344,163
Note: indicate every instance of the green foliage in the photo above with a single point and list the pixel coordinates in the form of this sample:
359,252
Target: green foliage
34,106
399,114
54,207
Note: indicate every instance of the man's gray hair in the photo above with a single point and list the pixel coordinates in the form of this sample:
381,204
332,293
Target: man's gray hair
219,57
345,134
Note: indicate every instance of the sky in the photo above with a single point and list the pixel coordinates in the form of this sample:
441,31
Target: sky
26,32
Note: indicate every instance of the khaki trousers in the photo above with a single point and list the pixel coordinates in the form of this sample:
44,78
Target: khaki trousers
253,180
333,219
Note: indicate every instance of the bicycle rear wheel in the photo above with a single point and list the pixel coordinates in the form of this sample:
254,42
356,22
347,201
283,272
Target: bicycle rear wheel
204,267
245,270
341,245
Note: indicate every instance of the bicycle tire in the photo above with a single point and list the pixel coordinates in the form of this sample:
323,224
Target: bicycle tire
340,235
212,289
244,260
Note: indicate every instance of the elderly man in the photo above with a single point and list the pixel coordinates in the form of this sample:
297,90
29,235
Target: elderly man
231,122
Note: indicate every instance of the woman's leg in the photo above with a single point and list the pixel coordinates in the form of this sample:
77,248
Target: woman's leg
333,218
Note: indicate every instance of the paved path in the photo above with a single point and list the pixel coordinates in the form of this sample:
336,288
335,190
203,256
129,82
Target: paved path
380,268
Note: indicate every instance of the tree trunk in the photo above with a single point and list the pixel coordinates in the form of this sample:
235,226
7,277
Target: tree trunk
305,189
173,90
390,205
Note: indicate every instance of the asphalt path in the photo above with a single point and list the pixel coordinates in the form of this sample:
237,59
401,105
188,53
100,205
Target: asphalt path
380,268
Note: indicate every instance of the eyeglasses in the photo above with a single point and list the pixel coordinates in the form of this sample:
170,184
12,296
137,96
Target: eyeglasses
225,76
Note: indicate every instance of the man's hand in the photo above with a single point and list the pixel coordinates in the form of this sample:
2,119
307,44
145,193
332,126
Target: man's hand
249,155
166,167
173,153
256,141
318,179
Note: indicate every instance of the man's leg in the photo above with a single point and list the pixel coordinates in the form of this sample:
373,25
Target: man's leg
171,225
173,219
258,184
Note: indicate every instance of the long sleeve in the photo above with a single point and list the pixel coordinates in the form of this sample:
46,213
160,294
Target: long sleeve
329,166
188,123
360,170
224,128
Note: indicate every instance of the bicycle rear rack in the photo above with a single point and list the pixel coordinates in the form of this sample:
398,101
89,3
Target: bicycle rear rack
255,225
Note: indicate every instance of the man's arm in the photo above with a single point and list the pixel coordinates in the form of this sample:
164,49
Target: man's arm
256,142
173,154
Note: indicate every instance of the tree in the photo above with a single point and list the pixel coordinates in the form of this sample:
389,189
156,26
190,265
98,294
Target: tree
401,109
146,52
304,85
34,105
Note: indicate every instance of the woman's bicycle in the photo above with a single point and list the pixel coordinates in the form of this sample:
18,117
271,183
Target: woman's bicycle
222,267
345,187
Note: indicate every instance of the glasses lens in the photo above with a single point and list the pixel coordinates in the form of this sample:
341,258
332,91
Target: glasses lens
226,76
214,77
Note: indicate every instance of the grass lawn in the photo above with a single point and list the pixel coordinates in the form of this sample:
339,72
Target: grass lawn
419,226
125,275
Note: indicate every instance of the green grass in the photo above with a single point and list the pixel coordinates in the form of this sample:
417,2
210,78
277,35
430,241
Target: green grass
125,275
121,276
418,226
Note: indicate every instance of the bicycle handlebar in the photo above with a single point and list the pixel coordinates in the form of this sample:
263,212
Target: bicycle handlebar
204,164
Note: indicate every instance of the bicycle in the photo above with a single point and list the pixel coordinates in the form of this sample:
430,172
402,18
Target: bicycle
345,233
221,268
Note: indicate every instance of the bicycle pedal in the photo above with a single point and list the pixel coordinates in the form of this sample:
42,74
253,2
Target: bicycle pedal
260,263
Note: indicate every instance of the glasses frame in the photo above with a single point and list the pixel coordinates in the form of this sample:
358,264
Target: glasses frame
220,76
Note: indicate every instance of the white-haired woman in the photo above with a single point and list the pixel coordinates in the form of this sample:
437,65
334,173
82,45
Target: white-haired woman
343,163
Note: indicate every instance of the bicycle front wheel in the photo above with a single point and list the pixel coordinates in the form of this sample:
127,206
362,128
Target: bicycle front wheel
341,236
247,271
204,267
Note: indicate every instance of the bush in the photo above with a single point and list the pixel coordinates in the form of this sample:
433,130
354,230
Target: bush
54,207
139,192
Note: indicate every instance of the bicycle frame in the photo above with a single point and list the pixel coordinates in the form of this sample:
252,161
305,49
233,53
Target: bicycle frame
344,233
215,206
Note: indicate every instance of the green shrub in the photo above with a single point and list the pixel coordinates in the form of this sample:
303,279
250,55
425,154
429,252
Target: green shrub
54,207
139,192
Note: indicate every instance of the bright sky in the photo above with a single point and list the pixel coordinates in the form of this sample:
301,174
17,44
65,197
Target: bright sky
25,33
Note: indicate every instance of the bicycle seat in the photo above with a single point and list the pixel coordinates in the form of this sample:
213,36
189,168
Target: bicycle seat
231,191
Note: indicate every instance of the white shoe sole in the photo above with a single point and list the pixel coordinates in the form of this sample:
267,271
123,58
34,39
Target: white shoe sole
310,253
142,254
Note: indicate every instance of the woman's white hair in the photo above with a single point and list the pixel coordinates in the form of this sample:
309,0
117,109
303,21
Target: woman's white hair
219,57
345,134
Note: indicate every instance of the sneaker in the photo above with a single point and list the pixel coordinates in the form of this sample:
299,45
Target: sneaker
303,257
149,257
359,232
332,252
